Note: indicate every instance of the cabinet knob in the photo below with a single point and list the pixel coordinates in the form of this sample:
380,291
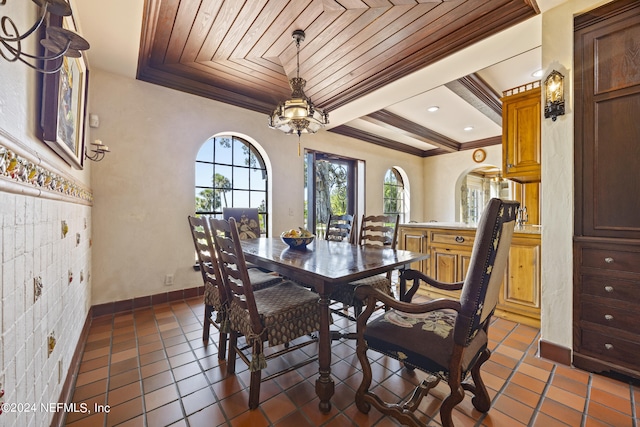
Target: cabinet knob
608,346
608,288
509,165
459,239
608,260
608,317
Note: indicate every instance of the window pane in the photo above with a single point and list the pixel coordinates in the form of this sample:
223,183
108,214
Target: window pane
240,153
389,177
206,151
224,177
241,178
240,198
204,200
204,174
258,179
223,150
258,200
255,160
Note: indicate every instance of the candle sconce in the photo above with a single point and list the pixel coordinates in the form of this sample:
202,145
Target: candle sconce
554,95
97,152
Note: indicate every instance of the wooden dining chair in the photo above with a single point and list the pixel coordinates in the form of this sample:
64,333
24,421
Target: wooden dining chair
339,228
215,295
248,223
446,338
276,315
376,231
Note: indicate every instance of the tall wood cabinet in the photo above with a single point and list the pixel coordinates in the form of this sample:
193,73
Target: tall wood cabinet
606,330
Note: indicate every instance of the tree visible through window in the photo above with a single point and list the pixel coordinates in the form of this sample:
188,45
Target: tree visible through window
394,194
230,173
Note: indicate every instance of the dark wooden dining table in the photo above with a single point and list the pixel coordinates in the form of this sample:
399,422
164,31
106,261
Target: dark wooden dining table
323,265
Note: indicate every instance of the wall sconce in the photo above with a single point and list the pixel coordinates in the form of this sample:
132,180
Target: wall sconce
554,95
59,42
97,152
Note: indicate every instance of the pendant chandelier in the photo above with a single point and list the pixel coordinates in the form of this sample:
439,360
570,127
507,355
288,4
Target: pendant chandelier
298,115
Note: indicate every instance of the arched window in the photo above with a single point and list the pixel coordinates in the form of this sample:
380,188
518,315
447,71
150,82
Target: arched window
230,172
393,194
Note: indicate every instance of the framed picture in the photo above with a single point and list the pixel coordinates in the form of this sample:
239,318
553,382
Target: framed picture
64,96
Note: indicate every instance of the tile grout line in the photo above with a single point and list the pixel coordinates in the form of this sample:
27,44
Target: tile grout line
175,383
140,383
632,400
587,399
507,380
106,393
543,394
210,384
210,341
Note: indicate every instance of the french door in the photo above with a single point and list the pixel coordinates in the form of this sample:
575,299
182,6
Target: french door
330,188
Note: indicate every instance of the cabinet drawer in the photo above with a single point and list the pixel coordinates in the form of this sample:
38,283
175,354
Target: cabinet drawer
604,287
461,239
611,259
620,351
613,317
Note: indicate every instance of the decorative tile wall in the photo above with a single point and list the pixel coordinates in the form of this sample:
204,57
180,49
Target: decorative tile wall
33,251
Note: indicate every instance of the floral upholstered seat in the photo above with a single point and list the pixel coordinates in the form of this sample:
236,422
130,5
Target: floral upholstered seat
275,315
446,338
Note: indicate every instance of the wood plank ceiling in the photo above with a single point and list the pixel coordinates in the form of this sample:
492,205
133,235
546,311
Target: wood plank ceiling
241,51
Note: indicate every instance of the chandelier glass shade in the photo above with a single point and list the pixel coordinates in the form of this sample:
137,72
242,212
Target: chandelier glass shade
298,115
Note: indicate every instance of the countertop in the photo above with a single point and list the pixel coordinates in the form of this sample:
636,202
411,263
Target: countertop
526,228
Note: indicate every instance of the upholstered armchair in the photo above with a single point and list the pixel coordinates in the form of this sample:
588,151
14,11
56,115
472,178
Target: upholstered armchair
446,338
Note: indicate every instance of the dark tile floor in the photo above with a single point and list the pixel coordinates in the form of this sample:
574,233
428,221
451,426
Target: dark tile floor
150,368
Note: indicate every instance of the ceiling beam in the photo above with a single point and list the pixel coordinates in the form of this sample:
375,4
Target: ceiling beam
377,140
388,120
479,94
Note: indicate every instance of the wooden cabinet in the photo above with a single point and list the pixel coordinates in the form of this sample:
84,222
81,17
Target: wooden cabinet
521,146
606,288
520,297
449,257
606,305
528,194
415,240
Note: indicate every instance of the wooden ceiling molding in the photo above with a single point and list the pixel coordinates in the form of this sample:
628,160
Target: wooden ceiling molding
241,52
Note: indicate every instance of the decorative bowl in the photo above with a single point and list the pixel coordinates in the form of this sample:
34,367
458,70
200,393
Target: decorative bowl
297,242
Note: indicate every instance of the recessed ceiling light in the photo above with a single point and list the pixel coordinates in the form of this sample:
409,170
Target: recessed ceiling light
537,73
433,108
468,128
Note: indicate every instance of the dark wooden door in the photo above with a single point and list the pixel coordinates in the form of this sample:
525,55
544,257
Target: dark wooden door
607,107
607,185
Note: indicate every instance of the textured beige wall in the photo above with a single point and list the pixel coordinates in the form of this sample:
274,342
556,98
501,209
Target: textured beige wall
144,189
441,174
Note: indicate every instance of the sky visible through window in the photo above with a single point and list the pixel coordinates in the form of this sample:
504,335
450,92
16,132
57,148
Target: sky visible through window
229,172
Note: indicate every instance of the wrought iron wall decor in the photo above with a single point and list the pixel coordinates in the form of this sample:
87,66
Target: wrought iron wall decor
59,42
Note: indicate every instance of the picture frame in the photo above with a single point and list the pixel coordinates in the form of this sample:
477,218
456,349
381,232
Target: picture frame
64,103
